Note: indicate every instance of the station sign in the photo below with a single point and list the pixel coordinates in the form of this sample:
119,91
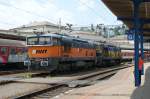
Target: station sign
131,35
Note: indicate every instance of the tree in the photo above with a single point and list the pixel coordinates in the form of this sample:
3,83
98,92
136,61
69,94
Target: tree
92,27
99,29
69,26
117,30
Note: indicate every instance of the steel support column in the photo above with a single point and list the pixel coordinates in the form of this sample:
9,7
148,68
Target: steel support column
136,42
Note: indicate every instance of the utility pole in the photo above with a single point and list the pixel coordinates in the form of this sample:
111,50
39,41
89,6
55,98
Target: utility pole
59,25
108,36
43,29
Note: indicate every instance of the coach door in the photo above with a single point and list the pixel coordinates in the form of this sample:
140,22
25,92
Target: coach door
3,54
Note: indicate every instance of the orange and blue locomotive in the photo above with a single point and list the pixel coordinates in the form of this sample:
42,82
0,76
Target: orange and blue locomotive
111,54
61,52
55,51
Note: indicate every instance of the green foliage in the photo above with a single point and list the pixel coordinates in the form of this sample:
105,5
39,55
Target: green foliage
28,75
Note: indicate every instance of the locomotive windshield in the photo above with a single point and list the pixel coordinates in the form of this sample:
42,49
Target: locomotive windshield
32,41
44,40
41,40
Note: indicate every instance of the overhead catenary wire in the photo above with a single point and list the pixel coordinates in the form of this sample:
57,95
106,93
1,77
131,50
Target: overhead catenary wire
26,11
58,8
93,11
51,20
31,13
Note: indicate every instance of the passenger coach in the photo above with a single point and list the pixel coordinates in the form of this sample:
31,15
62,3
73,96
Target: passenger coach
12,52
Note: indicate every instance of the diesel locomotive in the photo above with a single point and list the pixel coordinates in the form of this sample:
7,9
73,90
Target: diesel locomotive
60,52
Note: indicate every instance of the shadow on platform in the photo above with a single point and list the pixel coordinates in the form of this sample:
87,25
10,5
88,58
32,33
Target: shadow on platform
143,92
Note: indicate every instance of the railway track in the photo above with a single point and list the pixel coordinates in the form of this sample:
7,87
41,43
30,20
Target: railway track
13,76
11,72
84,80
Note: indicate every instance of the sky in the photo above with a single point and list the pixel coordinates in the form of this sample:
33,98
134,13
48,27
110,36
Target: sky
14,13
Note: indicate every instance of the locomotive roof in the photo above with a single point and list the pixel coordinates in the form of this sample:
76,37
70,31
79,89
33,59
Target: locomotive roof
66,38
80,40
8,42
48,34
63,36
109,45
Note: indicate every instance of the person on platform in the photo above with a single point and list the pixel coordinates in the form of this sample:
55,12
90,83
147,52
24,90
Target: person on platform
140,64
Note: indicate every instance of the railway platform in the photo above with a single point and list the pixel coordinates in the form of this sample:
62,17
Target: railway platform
119,86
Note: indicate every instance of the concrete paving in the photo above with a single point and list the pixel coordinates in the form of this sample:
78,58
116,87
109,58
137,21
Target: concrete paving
11,90
120,86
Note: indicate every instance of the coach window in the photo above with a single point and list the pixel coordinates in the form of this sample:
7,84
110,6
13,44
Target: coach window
3,50
19,51
12,51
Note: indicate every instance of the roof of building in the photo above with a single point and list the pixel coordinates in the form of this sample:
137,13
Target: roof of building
37,23
8,42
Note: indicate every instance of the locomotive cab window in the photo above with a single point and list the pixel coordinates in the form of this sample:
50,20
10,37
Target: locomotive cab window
48,40
55,41
32,41
3,50
44,40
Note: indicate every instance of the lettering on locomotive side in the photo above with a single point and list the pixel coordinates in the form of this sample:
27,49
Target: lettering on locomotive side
39,51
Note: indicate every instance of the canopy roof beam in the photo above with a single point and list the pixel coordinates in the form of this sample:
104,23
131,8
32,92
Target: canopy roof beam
136,15
142,20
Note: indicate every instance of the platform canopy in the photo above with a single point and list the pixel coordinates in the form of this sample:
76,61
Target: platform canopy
123,9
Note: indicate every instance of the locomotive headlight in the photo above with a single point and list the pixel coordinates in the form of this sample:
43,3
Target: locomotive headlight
27,63
44,63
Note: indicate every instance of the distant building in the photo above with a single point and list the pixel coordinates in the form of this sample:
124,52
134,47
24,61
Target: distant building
87,35
87,29
43,26
15,33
